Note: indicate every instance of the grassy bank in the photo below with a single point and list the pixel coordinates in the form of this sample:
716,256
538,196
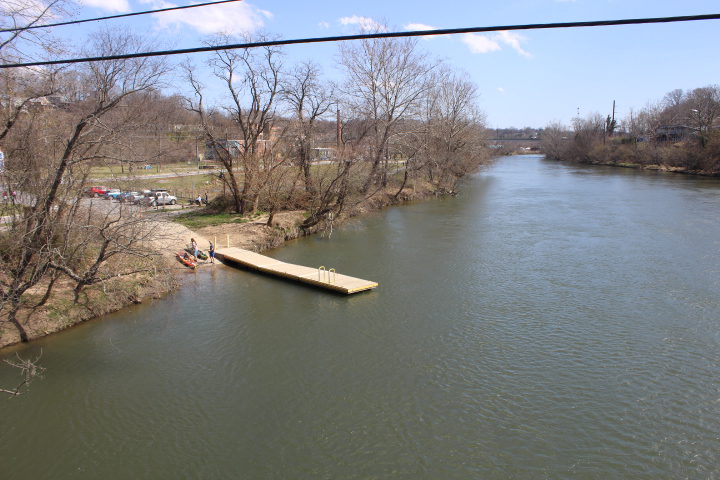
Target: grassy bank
206,218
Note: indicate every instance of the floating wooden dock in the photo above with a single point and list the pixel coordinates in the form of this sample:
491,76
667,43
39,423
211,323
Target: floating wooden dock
319,277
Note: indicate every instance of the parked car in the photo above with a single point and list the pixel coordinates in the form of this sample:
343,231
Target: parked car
159,198
112,194
136,197
126,197
96,191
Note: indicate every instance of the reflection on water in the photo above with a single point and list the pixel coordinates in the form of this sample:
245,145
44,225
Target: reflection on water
552,321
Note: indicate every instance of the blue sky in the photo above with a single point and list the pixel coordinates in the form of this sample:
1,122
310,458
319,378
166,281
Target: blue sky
525,79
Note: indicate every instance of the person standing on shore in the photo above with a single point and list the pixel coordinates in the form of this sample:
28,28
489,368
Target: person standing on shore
193,245
211,252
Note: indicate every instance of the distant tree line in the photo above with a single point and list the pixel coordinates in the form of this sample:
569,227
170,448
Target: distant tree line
681,132
511,133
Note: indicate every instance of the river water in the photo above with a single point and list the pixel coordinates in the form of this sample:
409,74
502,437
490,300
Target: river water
552,321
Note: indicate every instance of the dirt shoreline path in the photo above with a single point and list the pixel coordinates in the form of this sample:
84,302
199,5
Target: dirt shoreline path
253,235
172,237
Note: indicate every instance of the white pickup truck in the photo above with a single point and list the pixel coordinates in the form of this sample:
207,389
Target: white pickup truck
160,198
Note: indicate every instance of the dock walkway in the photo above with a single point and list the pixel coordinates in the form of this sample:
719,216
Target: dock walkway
313,276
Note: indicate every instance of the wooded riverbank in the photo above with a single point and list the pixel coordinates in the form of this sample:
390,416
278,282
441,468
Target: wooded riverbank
679,134
59,311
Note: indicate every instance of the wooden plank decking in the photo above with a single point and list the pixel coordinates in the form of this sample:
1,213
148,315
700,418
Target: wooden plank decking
312,276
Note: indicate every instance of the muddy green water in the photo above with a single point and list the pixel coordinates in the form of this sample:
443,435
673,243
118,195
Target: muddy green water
552,322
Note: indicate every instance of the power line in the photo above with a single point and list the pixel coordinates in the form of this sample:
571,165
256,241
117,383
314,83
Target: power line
110,17
412,33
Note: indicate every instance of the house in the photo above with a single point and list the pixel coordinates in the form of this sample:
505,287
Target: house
213,150
37,104
322,154
674,133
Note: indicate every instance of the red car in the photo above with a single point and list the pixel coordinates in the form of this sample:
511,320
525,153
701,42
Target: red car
97,191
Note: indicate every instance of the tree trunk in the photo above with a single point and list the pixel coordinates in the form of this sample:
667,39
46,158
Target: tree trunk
76,291
305,164
402,187
12,317
371,177
50,286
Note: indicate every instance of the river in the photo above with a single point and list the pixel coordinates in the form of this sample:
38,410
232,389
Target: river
551,321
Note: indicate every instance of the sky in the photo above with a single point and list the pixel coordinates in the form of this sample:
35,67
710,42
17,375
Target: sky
524,79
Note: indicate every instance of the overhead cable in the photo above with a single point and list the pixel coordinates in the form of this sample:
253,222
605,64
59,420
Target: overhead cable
365,36
110,17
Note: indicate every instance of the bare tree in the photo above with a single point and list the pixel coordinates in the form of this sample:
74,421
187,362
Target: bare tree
385,82
118,232
309,99
554,140
455,135
587,132
52,184
704,108
647,120
20,87
19,17
330,194
252,80
674,109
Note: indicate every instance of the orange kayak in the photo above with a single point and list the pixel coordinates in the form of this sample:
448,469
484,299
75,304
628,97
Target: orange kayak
186,259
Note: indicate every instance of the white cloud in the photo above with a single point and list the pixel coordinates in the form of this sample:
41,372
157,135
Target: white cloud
501,90
230,18
419,26
513,39
366,24
479,43
111,5
323,25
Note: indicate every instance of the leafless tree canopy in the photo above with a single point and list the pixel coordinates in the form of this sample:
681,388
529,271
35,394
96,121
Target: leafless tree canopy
386,81
52,230
288,139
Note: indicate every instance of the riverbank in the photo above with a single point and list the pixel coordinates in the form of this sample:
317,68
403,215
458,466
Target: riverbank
681,157
59,312
651,167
